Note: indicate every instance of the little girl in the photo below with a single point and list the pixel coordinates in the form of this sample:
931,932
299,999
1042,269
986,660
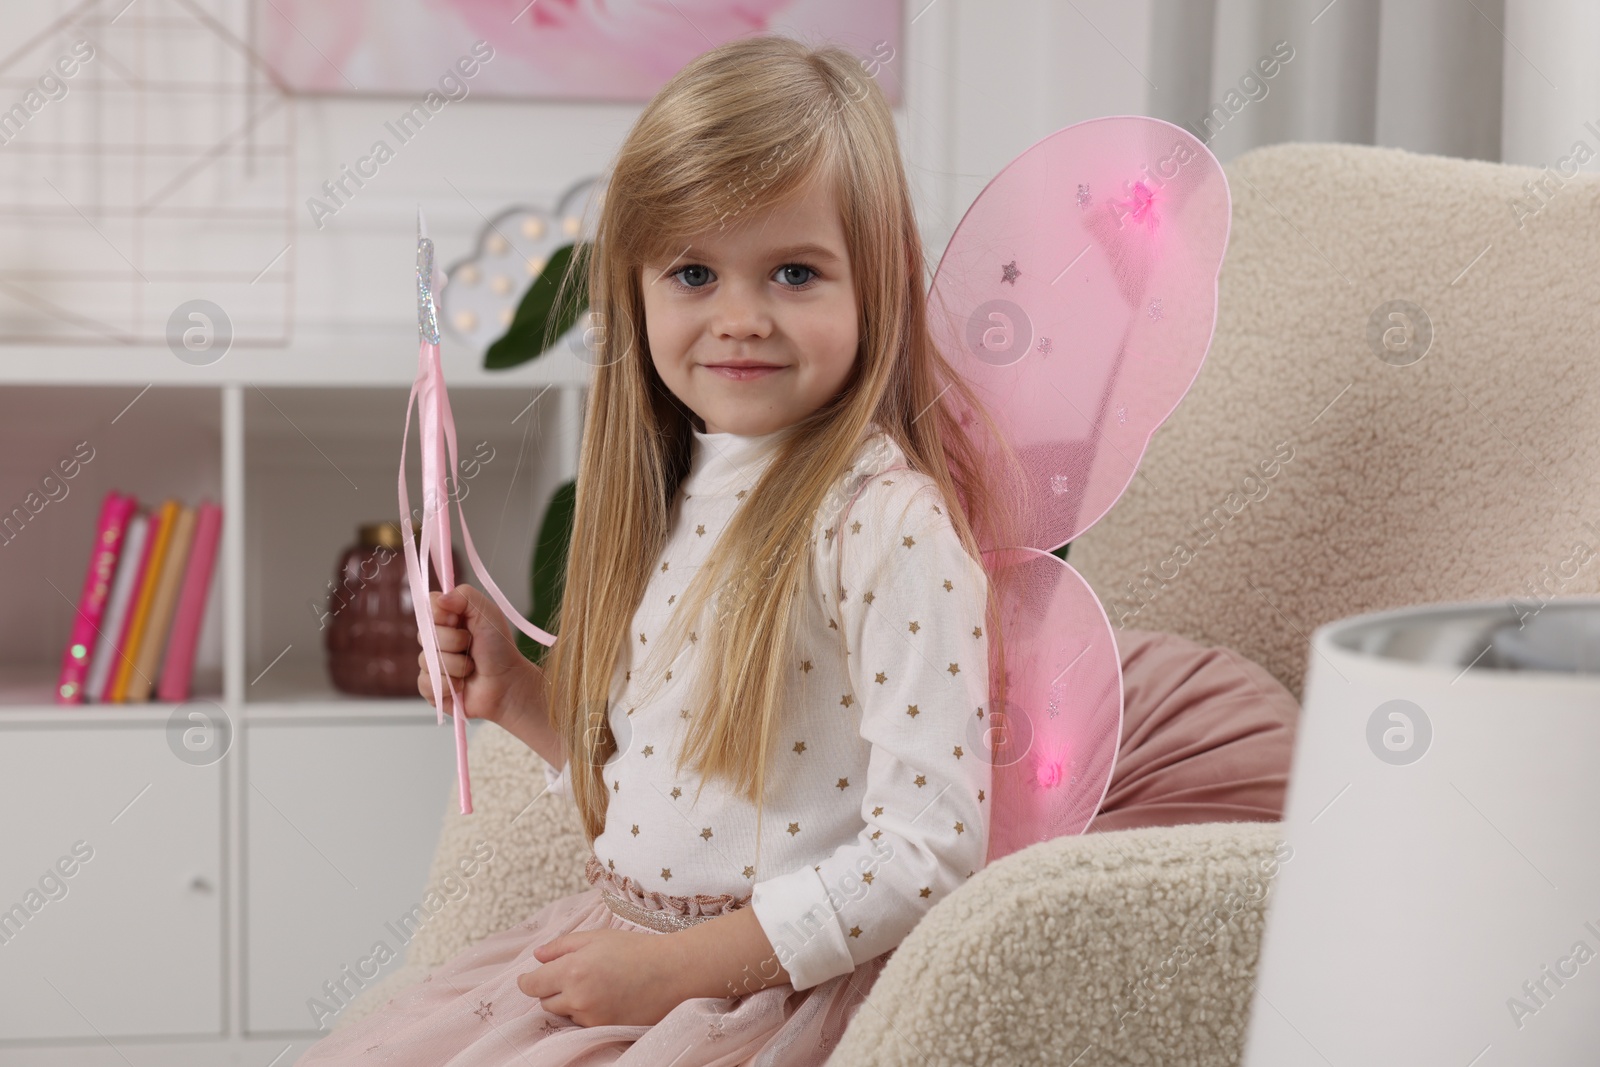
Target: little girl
767,694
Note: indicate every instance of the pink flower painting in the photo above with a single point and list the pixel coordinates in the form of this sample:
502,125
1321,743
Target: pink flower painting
603,50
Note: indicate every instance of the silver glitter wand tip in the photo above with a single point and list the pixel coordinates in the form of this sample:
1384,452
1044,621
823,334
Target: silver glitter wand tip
427,311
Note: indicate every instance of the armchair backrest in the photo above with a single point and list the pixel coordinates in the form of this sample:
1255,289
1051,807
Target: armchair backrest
1401,405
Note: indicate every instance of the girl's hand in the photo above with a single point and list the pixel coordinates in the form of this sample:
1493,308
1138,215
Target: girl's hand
606,977
476,647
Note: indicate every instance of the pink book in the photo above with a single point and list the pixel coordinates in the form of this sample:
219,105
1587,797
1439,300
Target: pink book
177,671
141,574
117,608
115,511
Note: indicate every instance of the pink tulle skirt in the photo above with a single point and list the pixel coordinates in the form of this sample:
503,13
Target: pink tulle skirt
468,1012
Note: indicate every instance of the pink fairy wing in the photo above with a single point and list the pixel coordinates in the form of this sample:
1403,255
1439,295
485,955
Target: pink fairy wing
1052,741
1078,298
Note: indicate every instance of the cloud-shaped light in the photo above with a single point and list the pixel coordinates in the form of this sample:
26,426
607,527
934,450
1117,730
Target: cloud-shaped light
484,289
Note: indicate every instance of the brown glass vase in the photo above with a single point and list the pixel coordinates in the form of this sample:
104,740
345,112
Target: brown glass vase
370,627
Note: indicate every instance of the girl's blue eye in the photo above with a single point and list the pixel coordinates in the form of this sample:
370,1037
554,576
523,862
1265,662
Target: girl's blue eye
783,271
700,271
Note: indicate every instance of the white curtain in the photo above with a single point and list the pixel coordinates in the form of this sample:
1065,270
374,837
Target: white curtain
1516,81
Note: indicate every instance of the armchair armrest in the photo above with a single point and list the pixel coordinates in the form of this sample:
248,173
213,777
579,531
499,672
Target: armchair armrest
1140,944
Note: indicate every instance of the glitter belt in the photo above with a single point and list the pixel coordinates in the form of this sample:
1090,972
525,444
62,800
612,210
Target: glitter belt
657,911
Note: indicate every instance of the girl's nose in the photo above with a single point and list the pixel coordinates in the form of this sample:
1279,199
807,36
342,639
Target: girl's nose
740,312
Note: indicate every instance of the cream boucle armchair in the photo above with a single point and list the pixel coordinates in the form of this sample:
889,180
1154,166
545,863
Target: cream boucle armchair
1460,476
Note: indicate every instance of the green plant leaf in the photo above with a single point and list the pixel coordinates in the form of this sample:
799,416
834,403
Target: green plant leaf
538,322
1061,553
549,570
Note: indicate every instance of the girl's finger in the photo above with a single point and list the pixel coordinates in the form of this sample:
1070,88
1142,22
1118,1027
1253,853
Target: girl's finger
445,616
452,640
538,985
454,664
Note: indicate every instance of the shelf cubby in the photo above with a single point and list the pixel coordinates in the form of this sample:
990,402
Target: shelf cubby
321,462
155,442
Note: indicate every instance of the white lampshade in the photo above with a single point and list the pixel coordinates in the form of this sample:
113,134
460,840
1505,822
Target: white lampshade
1441,904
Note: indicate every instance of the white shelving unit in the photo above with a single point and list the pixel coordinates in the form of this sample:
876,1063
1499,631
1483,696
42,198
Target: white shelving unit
221,897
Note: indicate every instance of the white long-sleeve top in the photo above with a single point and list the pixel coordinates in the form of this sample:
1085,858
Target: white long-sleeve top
877,786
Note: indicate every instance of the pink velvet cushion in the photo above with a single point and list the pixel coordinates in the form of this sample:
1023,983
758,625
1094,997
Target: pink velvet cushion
1207,736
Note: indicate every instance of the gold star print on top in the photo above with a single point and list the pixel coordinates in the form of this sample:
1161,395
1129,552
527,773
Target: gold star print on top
876,803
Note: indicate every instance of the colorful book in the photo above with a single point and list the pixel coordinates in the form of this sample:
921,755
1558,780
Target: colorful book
129,565
115,510
177,672
139,617
159,626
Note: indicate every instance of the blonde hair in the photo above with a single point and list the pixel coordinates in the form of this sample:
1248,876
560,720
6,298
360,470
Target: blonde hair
776,114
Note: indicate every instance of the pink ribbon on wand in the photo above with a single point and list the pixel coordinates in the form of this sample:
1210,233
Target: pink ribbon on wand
437,433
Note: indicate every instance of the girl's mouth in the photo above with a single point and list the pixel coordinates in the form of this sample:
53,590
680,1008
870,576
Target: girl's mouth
740,374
